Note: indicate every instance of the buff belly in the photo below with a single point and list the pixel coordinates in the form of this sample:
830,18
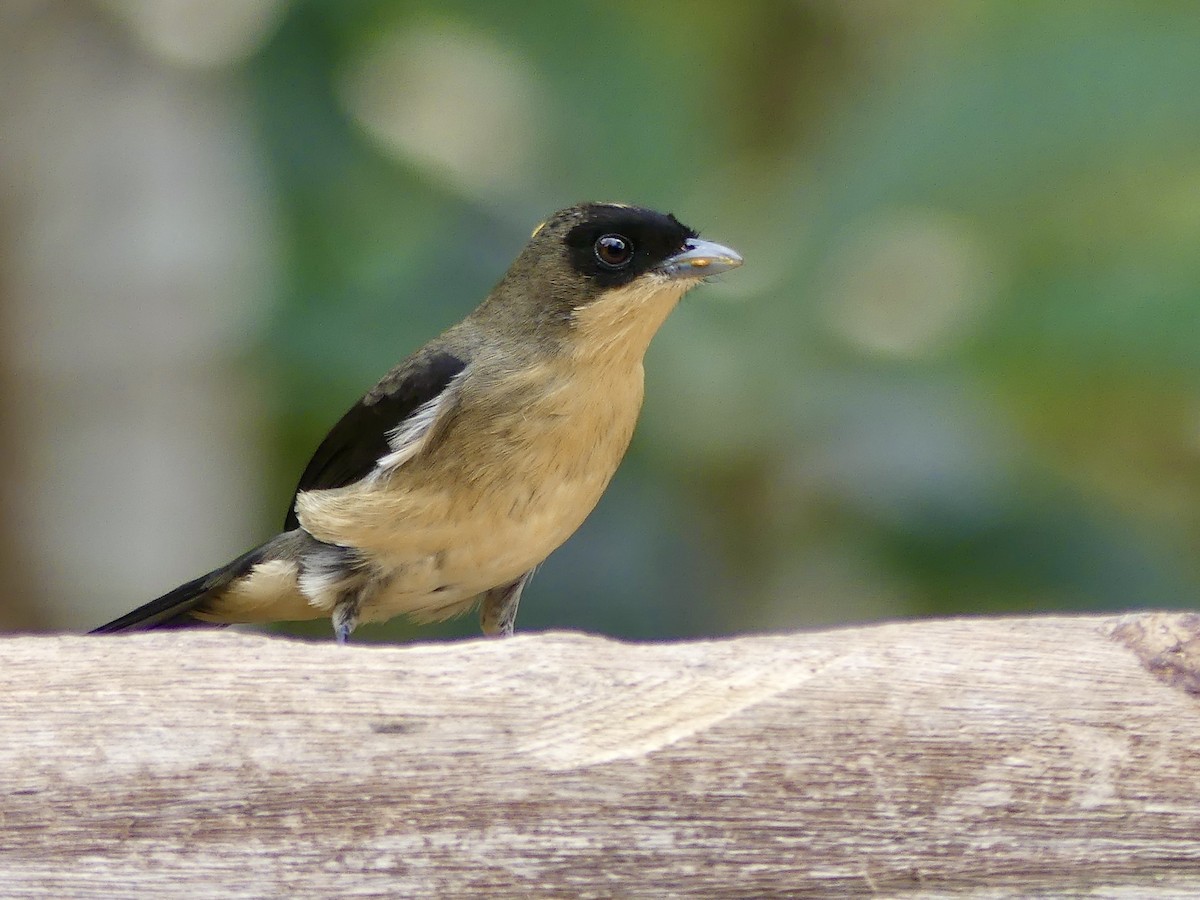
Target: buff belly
493,547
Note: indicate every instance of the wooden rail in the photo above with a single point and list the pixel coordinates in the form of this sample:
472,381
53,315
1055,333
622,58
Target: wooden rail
998,757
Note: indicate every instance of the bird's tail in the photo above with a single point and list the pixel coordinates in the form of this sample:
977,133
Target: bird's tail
174,609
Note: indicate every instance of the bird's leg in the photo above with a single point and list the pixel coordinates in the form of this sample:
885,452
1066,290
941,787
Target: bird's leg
345,616
498,612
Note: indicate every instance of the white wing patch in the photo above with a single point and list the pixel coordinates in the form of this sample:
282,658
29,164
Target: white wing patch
407,438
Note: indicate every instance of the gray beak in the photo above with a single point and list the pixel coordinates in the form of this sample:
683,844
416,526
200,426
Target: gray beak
699,259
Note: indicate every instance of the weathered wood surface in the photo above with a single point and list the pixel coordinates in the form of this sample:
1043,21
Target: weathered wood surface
1053,756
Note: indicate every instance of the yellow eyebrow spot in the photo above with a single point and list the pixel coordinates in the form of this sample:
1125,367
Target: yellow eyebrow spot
536,230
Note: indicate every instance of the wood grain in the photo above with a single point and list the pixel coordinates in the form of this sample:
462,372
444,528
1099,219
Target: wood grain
995,757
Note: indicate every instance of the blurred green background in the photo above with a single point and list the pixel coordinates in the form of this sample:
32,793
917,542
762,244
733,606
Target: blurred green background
959,372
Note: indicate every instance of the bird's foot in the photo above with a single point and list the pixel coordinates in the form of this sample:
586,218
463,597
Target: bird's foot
345,617
498,613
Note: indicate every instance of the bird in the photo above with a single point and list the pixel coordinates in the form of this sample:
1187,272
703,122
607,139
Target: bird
451,480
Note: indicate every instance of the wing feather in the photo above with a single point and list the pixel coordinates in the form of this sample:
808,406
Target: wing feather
383,428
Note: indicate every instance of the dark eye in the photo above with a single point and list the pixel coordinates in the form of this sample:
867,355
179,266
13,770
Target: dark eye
614,251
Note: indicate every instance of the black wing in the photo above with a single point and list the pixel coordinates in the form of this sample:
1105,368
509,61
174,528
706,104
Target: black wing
350,450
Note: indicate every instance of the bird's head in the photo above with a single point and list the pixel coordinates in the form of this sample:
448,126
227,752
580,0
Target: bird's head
606,274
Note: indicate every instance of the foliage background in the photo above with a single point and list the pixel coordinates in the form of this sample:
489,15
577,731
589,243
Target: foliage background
958,373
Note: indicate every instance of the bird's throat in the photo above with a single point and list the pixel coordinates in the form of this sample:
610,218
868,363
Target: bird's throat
617,328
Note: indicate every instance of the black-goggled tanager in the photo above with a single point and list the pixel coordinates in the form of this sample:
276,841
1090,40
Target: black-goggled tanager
472,460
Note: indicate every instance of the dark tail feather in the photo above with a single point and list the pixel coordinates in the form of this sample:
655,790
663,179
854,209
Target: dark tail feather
174,608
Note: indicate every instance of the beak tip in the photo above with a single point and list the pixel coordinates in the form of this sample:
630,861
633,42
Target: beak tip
702,258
